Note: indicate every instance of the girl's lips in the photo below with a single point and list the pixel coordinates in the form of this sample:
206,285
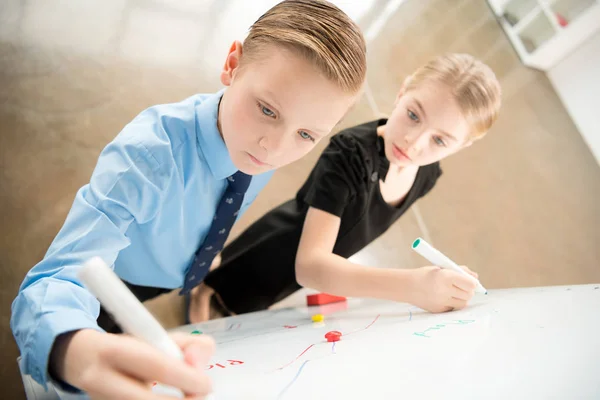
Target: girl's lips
400,154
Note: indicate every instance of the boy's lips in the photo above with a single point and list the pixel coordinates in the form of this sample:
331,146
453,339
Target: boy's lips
400,154
257,161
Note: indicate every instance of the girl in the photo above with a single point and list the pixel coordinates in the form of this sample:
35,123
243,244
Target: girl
365,180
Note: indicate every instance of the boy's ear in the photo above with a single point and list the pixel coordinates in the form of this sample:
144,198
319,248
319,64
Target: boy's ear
232,63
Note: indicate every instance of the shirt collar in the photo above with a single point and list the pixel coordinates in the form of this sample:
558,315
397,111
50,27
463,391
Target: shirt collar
209,139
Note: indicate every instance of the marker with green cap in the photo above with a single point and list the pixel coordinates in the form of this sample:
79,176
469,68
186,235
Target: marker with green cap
436,257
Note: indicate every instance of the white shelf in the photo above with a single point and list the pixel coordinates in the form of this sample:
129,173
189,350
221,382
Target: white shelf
536,32
550,15
570,9
498,6
569,39
527,19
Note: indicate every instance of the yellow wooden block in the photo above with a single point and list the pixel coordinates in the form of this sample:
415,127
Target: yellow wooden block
318,318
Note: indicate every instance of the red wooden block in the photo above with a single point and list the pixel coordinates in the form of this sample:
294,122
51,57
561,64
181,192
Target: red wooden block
322,298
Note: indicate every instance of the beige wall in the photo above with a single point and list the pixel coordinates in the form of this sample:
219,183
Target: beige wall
521,207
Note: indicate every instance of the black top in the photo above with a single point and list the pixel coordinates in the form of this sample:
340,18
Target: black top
258,268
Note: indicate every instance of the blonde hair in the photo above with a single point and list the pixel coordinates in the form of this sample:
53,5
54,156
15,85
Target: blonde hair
318,31
473,85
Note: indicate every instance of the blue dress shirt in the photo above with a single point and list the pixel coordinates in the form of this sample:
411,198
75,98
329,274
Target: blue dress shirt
149,204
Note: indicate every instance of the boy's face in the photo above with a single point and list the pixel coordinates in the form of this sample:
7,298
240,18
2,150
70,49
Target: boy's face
276,108
425,126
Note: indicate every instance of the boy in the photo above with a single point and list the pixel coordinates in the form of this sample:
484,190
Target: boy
165,192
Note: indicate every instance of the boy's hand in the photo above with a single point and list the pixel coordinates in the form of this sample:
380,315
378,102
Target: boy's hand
109,366
438,290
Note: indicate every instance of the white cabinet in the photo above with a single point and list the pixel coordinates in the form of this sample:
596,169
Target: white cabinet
543,32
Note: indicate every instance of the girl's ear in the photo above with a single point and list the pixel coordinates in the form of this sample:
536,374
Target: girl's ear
402,90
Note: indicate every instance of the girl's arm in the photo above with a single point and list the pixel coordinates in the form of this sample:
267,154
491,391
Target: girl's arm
431,288
318,268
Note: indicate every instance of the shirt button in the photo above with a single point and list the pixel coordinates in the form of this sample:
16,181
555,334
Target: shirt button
374,177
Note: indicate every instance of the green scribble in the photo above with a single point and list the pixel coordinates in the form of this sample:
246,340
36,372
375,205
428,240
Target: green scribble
463,321
196,332
440,326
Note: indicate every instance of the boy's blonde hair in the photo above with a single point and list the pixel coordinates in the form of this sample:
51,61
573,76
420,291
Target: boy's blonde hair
318,31
473,84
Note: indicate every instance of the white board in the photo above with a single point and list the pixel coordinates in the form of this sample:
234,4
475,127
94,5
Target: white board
534,343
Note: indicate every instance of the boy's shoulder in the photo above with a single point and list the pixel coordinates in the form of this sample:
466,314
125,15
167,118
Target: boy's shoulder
186,111
163,137
170,125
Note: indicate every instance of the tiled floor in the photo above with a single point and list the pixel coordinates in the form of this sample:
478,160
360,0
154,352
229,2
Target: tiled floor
521,207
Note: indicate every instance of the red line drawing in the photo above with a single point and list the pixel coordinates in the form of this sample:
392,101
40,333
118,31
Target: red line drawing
365,328
309,347
295,359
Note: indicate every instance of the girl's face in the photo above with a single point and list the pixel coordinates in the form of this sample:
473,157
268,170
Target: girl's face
425,126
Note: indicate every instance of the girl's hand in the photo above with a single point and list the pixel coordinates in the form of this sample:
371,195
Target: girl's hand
438,290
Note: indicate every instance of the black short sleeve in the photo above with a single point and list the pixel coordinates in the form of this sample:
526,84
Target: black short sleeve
339,175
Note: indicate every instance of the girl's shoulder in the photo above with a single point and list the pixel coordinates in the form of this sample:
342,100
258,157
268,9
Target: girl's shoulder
359,146
343,170
360,137
351,156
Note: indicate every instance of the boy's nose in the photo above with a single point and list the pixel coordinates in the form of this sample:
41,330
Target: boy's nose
272,143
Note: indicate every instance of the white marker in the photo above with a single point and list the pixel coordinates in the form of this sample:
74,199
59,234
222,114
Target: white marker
128,312
436,257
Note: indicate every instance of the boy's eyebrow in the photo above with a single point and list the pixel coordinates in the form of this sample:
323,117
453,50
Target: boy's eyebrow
420,106
272,100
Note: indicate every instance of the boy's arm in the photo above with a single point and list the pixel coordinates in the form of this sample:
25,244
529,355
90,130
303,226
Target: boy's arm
430,288
126,185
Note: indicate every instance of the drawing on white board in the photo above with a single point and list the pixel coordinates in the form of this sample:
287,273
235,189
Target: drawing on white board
506,324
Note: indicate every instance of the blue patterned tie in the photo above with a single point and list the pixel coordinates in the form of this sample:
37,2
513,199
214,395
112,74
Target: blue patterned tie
227,211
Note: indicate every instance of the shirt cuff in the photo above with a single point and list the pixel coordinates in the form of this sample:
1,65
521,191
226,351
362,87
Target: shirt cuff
50,326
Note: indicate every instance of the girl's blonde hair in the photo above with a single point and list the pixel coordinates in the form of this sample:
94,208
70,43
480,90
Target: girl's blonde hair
473,85
318,31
